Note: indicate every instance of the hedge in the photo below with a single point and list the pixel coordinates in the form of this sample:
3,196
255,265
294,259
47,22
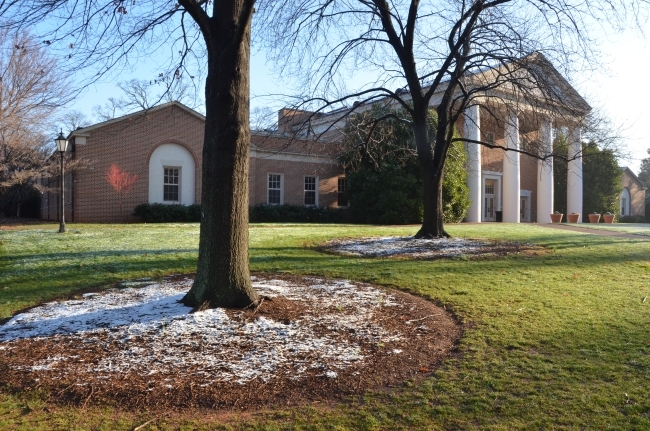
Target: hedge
168,213
165,213
296,214
631,219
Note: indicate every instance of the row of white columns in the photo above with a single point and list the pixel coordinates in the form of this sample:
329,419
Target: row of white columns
511,180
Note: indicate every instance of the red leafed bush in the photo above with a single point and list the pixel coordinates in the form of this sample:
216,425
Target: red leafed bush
121,181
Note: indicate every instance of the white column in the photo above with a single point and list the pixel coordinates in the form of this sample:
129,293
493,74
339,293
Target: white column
473,131
545,175
511,182
574,174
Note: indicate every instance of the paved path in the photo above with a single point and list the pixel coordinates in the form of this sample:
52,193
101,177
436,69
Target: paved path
601,232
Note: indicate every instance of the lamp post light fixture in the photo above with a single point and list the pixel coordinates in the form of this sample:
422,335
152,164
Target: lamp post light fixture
62,146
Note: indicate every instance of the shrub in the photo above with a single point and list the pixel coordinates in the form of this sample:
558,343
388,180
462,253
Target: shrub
167,213
296,214
391,195
631,219
384,184
601,178
194,213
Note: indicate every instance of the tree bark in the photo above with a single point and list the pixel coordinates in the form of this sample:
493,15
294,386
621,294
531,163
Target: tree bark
432,226
431,179
222,277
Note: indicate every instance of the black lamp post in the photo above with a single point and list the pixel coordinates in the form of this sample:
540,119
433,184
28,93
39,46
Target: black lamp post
62,146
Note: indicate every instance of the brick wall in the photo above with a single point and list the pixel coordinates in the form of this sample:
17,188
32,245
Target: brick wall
637,194
294,173
129,142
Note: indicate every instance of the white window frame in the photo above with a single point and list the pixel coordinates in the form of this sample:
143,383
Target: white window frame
304,193
180,176
268,177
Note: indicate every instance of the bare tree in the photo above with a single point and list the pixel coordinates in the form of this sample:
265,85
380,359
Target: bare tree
449,55
71,121
112,108
141,95
31,91
21,172
105,35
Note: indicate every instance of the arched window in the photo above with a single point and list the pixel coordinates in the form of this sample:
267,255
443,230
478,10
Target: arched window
171,175
625,202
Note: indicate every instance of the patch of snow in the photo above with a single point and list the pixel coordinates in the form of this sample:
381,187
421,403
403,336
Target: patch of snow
405,245
147,330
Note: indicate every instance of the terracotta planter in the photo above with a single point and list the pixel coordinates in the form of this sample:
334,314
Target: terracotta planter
594,218
608,218
556,218
573,218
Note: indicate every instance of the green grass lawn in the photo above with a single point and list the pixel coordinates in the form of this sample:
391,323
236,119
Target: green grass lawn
633,228
555,341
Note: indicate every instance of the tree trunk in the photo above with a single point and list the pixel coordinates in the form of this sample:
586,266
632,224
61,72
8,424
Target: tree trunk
432,218
431,184
222,275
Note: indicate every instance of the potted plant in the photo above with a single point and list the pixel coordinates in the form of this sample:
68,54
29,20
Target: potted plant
573,217
556,217
608,217
594,217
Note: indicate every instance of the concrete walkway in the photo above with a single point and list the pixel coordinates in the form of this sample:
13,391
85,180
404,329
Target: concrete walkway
575,228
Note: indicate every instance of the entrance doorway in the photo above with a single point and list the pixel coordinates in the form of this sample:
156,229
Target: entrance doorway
524,209
489,205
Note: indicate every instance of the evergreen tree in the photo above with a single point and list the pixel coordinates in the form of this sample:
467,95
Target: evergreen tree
384,181
601,179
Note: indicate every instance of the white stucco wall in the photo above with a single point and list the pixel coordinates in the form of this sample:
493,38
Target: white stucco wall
171,156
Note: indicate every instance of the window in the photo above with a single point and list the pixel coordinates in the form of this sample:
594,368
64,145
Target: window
310,191
342,197
275,189
489,137
170,184
489,187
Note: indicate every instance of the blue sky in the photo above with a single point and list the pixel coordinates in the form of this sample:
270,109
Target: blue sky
620,89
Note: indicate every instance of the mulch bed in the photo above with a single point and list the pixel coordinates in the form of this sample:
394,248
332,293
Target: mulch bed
427,335
426,249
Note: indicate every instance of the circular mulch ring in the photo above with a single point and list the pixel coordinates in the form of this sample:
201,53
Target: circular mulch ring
309,339
424,248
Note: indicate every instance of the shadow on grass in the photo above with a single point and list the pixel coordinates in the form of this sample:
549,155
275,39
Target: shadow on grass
4,258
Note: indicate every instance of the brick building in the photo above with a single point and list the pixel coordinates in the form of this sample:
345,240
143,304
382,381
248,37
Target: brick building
163,147
632,200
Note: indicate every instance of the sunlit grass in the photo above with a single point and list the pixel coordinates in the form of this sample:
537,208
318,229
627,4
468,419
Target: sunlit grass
633,228
554,341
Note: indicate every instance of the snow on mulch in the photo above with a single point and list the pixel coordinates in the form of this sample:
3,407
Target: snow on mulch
231,349
139,347
422,248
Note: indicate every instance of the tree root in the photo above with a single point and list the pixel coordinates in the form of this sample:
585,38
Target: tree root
429,235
